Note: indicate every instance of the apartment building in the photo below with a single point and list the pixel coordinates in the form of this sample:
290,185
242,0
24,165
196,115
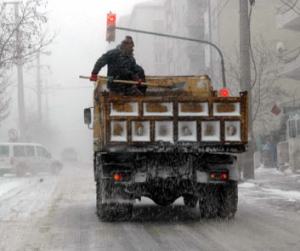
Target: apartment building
167,56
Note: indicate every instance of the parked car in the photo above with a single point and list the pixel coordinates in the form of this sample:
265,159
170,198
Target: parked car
21,158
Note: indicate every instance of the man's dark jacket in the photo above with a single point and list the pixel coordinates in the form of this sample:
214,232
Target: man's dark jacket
119,66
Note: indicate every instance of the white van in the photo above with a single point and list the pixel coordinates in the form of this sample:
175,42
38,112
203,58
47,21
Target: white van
21,158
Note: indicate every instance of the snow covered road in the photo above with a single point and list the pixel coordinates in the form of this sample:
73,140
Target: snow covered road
58,213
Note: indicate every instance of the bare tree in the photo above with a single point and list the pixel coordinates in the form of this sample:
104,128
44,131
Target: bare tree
289,5
22,34
265,88
4,100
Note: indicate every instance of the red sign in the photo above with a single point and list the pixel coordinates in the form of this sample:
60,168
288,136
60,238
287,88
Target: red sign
275,110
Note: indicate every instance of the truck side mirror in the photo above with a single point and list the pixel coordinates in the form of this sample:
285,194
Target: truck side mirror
87,116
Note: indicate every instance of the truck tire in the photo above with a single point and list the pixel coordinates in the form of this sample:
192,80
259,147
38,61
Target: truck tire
190,200
111,211
209,202
228,200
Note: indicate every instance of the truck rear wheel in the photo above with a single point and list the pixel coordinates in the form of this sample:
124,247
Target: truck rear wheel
111,211
219,200
228,200
209,202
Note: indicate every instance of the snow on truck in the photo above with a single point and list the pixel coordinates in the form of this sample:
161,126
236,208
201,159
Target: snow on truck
166,144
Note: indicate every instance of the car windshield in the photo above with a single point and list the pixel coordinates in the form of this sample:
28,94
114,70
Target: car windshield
4,151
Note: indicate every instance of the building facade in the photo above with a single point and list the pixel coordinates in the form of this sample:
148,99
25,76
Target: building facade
167,56
288,19
149,50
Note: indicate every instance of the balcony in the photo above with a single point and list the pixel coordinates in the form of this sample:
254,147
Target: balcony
288,20
291,64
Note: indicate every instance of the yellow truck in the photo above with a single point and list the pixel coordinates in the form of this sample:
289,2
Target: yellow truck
166,144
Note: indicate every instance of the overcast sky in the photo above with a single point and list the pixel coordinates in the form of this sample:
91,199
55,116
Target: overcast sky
80,27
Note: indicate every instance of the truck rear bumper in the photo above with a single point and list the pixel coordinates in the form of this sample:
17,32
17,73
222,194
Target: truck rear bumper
183,148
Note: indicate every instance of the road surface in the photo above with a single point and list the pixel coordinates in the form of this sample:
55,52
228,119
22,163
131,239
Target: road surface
58,213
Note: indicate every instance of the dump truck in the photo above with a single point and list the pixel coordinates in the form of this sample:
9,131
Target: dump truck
166,144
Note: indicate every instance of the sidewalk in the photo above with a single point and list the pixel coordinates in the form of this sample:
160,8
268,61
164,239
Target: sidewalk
279,189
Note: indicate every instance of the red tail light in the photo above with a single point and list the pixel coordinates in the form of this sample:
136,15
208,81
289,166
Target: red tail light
117,177
219,176
224,176
121,176
224,92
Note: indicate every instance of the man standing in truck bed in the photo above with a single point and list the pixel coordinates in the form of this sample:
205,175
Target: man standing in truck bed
121,65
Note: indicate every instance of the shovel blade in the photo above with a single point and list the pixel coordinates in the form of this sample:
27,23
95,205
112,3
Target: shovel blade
178,86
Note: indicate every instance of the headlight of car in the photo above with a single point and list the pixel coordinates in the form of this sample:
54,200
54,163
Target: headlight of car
164,131
210,130
118,131
141,131
232,130
187,131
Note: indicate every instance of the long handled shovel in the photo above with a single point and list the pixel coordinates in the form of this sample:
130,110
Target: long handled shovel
172,86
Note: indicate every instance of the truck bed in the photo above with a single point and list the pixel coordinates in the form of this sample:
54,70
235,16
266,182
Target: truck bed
170,121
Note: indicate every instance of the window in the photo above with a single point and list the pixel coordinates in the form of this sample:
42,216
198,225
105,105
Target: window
4,151
29,151
42,152
292,128
19,151
298,126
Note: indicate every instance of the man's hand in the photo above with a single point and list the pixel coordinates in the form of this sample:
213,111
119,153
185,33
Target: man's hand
138,79
110,80
94,77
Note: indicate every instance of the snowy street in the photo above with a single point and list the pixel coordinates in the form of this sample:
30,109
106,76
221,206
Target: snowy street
150,125
58,213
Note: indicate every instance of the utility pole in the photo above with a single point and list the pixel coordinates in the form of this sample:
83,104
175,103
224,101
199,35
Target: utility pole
19,63
246,162
47,100
39,86
39,90
21,102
